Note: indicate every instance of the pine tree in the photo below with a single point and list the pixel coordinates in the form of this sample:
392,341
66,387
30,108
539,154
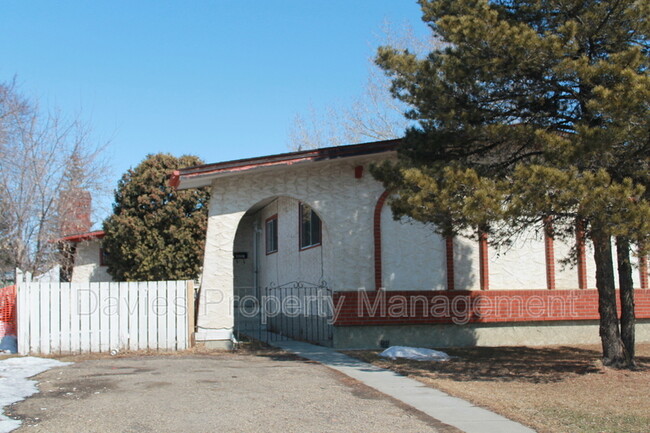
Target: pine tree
156,232
532,111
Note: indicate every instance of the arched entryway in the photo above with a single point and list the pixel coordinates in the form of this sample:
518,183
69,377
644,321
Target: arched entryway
281,260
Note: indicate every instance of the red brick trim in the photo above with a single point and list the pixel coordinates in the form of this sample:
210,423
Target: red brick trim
367,308
484,261
582,255
377,238
549,253
643,272
449,247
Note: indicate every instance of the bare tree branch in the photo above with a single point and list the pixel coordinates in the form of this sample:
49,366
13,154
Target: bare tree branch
43,159
374,115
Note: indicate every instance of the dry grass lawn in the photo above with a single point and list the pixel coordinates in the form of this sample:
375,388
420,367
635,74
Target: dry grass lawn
249,348
552,389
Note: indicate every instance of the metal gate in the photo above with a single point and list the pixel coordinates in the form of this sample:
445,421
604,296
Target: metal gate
297,310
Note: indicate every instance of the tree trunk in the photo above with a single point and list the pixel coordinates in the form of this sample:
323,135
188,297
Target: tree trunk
626,286
613,350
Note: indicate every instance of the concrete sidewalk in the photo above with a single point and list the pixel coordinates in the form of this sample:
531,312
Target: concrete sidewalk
437,404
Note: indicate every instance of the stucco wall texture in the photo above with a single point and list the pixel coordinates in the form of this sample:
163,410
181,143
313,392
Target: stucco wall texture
491,334
288,264
412,256
345,205
86,264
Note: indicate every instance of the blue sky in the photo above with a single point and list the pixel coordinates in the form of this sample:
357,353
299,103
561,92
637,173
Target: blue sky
219,79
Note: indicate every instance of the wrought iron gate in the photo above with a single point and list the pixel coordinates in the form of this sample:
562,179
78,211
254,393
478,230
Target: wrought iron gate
297,310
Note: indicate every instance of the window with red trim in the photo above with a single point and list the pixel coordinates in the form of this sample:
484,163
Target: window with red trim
310,227
271,234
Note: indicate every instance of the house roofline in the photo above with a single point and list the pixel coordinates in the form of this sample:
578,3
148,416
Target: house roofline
208,171
79,237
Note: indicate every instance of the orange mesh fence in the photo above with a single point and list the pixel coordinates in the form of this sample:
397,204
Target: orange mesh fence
7,311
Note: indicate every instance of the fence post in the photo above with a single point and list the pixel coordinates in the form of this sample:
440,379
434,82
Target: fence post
23,310
190,313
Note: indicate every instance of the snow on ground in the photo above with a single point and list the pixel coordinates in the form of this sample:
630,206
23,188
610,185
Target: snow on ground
15,385
415,353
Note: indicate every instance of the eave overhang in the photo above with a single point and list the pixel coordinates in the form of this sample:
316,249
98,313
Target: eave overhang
80,237
203,175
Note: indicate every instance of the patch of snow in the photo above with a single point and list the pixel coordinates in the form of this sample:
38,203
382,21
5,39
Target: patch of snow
414,353
15,385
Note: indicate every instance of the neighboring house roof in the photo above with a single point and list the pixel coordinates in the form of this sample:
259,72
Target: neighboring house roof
203,175
80,237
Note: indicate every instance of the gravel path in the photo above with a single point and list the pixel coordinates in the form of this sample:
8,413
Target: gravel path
209,393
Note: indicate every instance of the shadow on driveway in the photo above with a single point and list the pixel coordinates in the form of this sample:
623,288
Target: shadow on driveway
205,393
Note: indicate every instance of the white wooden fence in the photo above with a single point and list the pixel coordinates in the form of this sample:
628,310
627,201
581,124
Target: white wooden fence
102,317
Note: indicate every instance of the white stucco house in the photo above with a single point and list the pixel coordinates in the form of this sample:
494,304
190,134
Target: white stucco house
307,228
87,257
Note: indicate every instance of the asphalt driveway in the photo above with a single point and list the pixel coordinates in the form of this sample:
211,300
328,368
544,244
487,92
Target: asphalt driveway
210,393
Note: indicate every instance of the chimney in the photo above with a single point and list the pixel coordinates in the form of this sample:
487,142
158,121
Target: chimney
74,212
